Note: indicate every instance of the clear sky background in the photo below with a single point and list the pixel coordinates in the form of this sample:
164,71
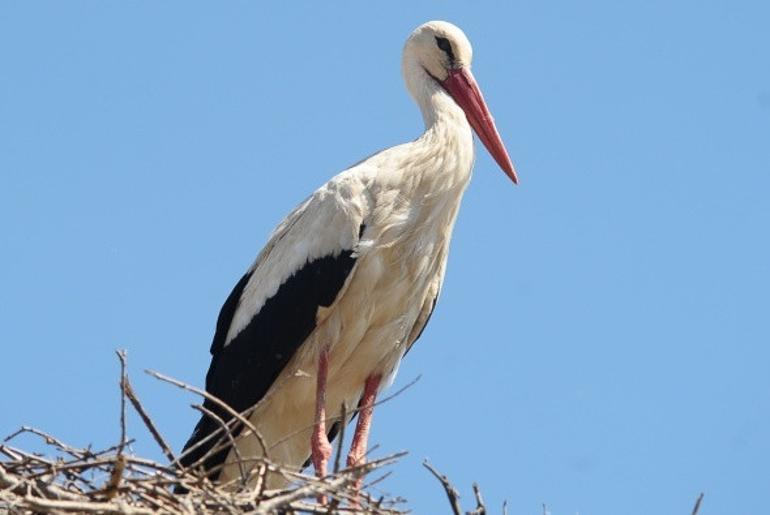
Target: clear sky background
601,344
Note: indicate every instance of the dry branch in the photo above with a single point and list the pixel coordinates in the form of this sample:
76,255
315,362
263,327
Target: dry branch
451,492
696,508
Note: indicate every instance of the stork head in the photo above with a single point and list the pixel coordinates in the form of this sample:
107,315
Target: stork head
439,47
439,52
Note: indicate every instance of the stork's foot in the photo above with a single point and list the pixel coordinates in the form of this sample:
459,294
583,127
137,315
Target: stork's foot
357,454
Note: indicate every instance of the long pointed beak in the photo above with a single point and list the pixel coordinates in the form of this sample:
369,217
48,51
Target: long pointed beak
463,88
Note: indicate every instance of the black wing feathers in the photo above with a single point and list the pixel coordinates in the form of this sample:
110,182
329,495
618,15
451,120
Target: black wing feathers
242,371
227,313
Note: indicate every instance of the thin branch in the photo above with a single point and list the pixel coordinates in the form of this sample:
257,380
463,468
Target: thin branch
452,494
164,446
234,447
50,440
341,436
380,479
113,485
230,411
481,509
52,506
696,508
122,357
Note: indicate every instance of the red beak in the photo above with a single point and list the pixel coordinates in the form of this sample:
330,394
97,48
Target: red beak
461,85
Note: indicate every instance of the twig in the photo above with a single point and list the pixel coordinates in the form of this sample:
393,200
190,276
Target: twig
696,508
378,480
230,411
111,488
50,505
481,509
340,436
112,485
259,488
310,489
51,440
213,434
129,391
394,394
221,423
452,494
122,357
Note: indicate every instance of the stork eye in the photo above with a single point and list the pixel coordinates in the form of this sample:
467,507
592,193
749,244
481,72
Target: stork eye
446,46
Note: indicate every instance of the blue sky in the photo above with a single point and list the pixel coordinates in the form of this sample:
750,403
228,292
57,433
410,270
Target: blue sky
601,344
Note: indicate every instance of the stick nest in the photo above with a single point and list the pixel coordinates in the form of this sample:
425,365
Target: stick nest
81,480
109,481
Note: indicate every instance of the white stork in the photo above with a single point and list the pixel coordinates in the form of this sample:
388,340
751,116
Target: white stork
349,279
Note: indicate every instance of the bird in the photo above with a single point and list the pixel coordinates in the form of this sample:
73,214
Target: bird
346,283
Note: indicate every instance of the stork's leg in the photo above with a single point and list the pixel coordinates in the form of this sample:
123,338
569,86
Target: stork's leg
320,447
357,454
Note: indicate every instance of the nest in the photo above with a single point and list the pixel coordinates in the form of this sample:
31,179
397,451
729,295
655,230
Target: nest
81,480
112,481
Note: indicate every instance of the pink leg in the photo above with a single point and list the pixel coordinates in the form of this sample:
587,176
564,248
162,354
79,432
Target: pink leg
357,454
320,447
